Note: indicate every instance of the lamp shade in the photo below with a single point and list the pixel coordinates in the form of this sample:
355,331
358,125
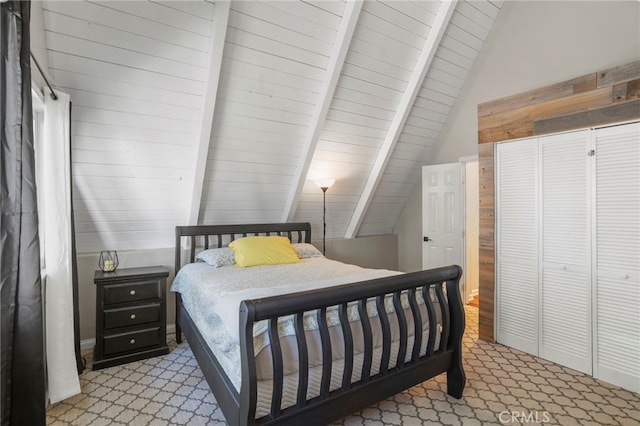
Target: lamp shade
324,182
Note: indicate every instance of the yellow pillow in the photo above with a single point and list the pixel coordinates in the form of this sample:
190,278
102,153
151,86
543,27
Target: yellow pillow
263,250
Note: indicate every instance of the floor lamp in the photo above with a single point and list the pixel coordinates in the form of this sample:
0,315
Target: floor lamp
324,184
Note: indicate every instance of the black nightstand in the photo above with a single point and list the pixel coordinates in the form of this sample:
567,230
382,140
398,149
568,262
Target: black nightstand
130,315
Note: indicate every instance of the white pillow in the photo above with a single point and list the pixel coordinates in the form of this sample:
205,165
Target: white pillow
306,250
217,257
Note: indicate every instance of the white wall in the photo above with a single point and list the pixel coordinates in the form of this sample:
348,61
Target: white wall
409,231
532,44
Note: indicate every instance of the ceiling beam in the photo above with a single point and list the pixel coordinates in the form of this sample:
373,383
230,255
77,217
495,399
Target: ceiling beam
336,61
216,48
402,112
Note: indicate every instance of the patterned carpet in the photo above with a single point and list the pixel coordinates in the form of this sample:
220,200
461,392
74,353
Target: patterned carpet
504,386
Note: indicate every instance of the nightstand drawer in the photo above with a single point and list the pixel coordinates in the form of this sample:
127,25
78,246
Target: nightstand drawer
131,292
128,342
135,315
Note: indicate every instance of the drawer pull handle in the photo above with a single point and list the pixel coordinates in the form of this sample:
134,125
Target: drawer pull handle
132,292
132,341
133,316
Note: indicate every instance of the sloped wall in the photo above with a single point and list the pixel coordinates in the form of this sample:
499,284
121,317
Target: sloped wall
532,44
136,73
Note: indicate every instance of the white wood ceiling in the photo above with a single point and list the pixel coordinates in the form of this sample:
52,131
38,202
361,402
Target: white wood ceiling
187,111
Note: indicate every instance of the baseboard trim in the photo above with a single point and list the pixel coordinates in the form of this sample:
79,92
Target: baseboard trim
87,344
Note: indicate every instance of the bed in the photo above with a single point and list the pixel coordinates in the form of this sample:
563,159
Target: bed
316,355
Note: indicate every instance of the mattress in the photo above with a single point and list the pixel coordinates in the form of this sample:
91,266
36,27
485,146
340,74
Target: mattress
212,298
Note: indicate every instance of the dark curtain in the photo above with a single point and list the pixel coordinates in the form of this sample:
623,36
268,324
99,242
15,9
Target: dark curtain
21,338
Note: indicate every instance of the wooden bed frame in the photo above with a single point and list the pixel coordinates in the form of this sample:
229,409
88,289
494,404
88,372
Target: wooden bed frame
330,405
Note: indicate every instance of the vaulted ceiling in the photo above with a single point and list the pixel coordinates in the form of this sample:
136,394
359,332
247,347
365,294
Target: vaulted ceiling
192,112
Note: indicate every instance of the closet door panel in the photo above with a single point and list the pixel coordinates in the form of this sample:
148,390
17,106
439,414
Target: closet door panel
517,248
565,238
617,255
565,313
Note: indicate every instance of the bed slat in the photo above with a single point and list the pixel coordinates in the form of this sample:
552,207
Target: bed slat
276,355
192,250
303,360
368,340
327,357
426,294
386,334
444,308
348,346
402,323
417,323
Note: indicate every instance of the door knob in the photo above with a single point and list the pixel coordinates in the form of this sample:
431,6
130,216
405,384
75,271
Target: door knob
427,239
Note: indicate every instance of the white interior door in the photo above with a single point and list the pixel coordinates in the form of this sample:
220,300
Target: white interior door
441,215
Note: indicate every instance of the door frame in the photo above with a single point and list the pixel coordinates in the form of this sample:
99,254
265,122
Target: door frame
463,186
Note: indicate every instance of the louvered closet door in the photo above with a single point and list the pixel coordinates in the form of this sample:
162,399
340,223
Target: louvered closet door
517,248
617,254
565,235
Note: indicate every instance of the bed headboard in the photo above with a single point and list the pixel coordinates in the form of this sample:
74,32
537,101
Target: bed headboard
214,236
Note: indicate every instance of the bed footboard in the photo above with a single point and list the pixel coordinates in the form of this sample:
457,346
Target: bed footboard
423,351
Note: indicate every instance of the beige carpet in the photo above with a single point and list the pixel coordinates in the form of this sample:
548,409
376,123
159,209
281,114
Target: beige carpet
504,386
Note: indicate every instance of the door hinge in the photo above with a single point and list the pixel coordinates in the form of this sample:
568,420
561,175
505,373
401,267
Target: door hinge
591,153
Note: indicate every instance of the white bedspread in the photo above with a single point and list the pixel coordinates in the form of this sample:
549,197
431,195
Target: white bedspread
221,290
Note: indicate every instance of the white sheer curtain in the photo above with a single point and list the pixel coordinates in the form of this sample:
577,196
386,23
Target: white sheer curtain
54,203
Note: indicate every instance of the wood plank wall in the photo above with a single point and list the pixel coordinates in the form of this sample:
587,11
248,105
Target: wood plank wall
596,99
136,73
